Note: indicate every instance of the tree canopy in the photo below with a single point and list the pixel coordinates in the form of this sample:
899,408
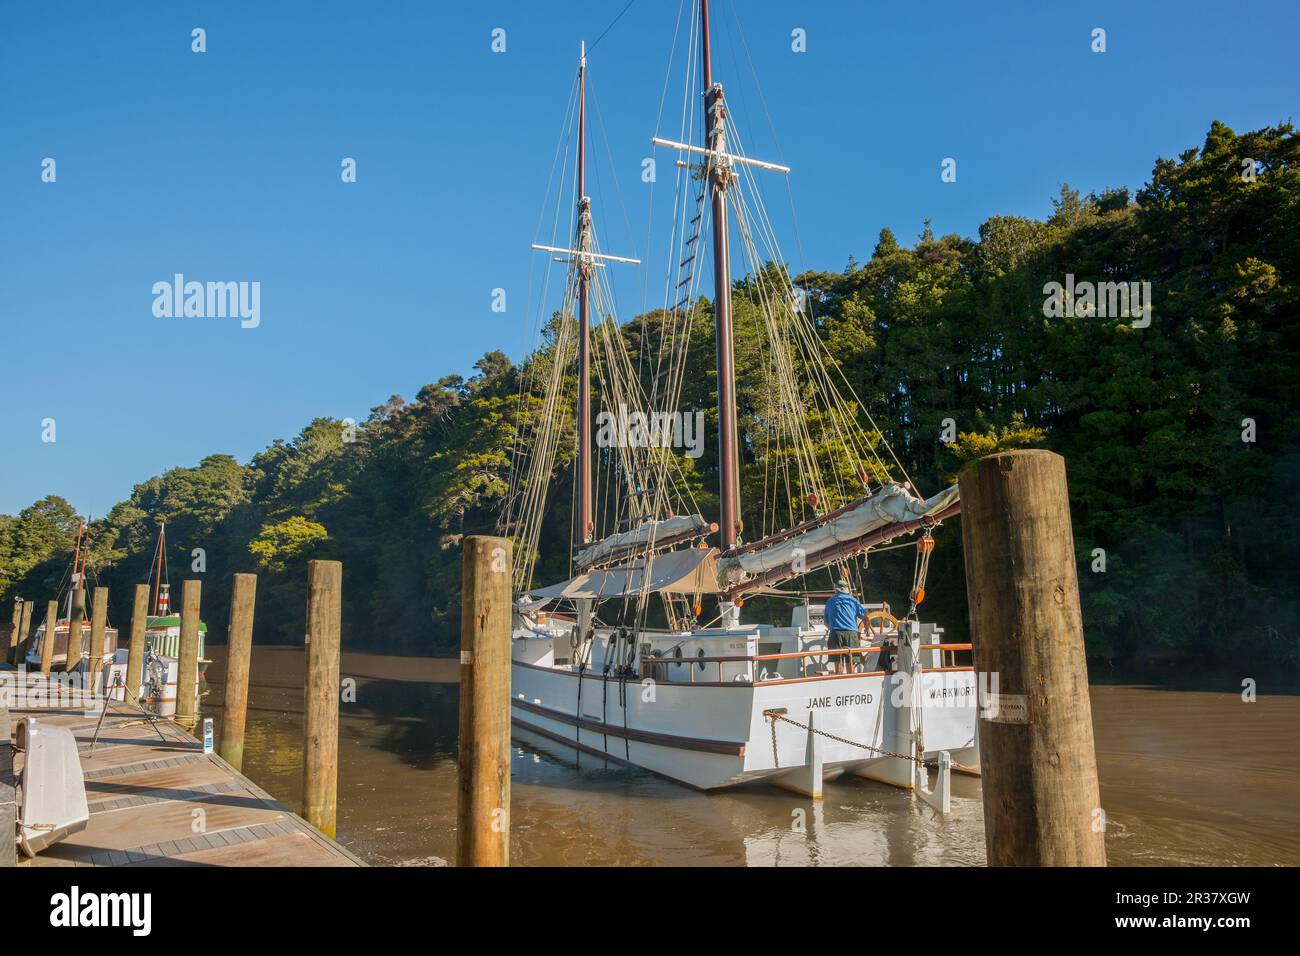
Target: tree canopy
1180,437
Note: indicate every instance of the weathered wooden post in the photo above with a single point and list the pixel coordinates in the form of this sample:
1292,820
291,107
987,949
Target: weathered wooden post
135,650
14,628
483,804
47,641
24,633
76,640
320,768
1041,802
187,662
98,621
239,653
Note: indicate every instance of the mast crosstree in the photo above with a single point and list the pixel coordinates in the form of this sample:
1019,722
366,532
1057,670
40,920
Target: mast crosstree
584,259
717,170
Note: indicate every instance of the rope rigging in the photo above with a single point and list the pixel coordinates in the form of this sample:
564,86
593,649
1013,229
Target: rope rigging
813,444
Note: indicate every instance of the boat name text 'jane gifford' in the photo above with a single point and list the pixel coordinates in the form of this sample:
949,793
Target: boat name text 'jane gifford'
209,300
844,700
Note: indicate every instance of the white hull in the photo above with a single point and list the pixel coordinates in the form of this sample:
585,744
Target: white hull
703,724
157,696
59,656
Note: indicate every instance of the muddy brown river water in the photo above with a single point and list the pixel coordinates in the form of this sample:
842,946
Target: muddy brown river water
1188,777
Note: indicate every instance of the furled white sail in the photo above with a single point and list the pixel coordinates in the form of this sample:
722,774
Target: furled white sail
892,504
647,533
688,571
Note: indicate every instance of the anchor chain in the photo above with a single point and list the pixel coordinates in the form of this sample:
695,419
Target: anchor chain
774,716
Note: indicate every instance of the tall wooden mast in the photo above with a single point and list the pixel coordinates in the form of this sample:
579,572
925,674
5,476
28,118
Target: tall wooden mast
586,260
75,580
586,523
719,171
715,120
76,554
160,558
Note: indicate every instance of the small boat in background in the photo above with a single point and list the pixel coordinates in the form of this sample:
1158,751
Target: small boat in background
161,659
154,688
162,631
59,658
63,625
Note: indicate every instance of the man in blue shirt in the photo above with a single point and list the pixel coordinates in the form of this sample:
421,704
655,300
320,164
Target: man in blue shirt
844,614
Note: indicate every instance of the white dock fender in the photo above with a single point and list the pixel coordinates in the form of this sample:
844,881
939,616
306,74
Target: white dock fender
54,789
807,779
941,796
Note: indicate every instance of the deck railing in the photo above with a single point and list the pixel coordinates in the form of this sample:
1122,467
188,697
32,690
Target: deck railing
648,664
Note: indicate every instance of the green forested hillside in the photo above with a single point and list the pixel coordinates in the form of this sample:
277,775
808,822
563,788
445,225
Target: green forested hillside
1198,527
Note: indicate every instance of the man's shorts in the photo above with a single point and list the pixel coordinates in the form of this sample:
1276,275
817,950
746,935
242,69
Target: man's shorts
842,639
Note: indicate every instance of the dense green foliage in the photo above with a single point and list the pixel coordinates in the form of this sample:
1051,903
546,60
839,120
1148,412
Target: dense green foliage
1198,527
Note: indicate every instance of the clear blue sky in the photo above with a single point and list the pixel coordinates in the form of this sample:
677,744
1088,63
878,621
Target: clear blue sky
225,166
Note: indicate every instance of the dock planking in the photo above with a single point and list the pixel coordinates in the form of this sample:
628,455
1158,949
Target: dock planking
156,799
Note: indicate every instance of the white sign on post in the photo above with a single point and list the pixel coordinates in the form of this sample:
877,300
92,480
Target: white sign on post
1005,708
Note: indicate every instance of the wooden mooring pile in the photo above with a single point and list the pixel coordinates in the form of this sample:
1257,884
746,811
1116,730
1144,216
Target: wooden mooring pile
157,794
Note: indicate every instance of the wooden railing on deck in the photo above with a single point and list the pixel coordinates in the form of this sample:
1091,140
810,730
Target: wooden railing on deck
648,663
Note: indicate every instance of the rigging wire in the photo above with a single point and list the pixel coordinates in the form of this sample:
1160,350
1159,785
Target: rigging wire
650,206
808,415
771,125
611,26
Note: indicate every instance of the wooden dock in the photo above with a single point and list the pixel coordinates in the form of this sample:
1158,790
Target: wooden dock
156,799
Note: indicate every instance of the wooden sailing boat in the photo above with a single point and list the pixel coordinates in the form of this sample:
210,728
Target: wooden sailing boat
719,702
